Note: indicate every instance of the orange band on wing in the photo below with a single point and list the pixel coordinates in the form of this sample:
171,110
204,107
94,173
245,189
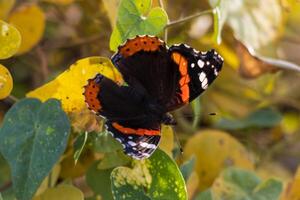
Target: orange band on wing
185,78
139,131
145,43
91,91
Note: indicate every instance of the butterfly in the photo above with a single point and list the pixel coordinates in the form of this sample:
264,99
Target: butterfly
159,79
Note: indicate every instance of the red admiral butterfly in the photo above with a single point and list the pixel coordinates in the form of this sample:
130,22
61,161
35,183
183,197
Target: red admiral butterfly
158,80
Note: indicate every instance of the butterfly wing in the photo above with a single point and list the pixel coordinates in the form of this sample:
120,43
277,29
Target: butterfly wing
106,98
145,61
138,143
128,120
197,71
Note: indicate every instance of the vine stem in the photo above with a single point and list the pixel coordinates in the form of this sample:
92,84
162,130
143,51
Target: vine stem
176,22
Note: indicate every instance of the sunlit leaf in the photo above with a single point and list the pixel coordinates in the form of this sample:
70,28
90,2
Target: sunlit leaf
5,7
68,86
60,193
292,191
215,150
29,19
155,178
111,7
10,40
6,82
50,180
256,23
236,184
32,138
167,140
79,145
135,17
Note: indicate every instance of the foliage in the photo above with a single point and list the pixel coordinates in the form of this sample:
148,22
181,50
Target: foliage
240,138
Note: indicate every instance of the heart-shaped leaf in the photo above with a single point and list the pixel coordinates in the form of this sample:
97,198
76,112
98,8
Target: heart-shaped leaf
155,178
236,184
32,138
135,17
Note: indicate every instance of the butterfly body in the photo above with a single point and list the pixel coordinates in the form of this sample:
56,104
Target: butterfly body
158,80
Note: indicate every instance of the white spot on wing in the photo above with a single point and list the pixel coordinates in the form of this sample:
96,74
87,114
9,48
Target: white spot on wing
131,143
196,51
187,46
200,63
207,63
193,65
216,72
147,145
202,76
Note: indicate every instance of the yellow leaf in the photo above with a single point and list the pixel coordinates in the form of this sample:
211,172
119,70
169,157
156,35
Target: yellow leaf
68,86
54,177
167,140
10,40
111,6
5,7
63,192
6,82
214,151
30,21
292,191
60,2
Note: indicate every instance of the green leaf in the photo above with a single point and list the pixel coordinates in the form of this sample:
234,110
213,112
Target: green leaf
1,197
79,145
262,118
238,184
155,178
270,189
32,138
114,159
206,195
196,106
104,142
217,26
99,181
135,17
245,18
187,168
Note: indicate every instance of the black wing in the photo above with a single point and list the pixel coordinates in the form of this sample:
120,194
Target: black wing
145,61
197,71
128,119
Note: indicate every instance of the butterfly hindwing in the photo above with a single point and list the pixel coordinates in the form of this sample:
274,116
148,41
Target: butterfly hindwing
138,143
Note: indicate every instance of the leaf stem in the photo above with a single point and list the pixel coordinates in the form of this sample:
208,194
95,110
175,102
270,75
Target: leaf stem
185,19
13,98
161,4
